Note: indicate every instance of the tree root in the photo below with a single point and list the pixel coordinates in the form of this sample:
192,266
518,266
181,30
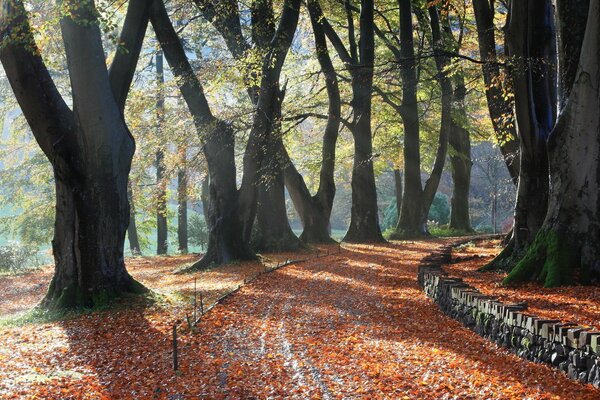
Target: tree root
550,260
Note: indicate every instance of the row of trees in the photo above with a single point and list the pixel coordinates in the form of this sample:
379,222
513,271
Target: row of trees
393,53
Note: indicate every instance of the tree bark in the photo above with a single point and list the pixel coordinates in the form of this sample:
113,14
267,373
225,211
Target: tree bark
226,236
460,160
533,56
92,209
409,222
272,231
500,110
567,247
132,233
182,219
364,215
315,211
162,245
441,62
571,15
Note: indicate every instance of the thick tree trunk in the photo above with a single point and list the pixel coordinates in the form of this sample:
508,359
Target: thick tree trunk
272,231
92,209
182,219
441,62
364,215
571,15
500,110
567,247
409,222
533,54
132,233
460,160
225,241
161,181
315,211
226,226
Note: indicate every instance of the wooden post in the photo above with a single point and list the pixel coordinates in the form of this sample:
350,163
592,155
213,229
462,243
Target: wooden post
201,305
175,364
195,301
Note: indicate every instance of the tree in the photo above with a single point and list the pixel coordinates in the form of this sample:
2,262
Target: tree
315,211
359,61
532,50
566,247
231,211
90,147
271,230
496,89
162,229
417,199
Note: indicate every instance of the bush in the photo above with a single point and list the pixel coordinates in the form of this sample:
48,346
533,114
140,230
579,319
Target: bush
439,212
197,230
16,257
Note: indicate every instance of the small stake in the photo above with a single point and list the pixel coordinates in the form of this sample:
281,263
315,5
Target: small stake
175,365
195,301
201,304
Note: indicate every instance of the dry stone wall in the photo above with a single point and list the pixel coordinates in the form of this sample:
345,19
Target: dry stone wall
573,349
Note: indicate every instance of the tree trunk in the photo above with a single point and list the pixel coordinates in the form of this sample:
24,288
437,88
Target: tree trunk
567,247
460,160
92,209
182,220
500,110
533,53
225,241
161,180
364,215
398,187
441,62
315,211
409,222
571,15
132,233
226,235
272,231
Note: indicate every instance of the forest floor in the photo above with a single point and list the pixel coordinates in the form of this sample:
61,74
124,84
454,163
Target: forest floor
348,325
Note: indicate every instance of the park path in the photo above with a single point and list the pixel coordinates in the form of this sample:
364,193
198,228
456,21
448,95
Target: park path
350,325
356,325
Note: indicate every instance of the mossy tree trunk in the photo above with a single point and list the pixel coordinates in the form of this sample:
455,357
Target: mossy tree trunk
92,208
532,50
567,247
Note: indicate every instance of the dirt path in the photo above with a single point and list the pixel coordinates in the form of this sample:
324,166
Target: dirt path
354,325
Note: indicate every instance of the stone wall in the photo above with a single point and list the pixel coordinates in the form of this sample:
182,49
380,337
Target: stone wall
573,349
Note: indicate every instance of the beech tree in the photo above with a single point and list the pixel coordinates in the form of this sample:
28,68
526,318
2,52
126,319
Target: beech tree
532,51
271,231
231,211
359,60
417,199
315,211
90,147
496,87
566,247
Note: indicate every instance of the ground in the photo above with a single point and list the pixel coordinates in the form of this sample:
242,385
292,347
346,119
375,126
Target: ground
349,325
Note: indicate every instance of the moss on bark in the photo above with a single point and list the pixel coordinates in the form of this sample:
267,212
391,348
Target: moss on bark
73,296
550,259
